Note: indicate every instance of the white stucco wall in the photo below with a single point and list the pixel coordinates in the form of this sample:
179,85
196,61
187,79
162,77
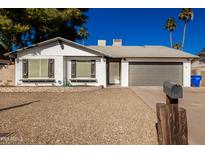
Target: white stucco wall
124,73
54,49
102,72
187,74
65,70
62,64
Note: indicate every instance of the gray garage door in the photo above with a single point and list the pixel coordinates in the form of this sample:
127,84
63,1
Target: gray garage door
154,73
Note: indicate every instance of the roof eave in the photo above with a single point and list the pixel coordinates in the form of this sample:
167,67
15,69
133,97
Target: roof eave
54,40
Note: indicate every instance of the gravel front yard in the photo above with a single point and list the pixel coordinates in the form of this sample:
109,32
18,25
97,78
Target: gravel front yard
104,116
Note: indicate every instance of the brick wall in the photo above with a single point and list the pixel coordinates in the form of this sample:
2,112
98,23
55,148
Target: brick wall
7,75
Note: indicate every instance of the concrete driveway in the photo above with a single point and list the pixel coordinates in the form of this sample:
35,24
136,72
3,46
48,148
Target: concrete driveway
193,101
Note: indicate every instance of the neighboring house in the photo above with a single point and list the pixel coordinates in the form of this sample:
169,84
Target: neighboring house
57,62
198,66
202,56
7,72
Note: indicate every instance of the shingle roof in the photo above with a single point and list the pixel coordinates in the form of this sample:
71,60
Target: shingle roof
120,51
142,51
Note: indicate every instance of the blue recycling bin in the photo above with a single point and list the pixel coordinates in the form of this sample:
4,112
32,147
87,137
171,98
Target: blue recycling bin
195,80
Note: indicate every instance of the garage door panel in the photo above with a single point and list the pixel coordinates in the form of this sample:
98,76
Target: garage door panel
154,74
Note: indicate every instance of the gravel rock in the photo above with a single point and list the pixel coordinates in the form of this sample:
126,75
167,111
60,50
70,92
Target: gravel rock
103,116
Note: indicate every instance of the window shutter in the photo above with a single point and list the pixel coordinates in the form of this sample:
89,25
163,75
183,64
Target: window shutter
73,69
51,65
93,69
25,68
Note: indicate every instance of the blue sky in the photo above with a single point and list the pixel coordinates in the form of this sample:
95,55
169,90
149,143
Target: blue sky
144,27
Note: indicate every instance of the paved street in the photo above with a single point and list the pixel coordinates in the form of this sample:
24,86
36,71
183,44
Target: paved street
193,101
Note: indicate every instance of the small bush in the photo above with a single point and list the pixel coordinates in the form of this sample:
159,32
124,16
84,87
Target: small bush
67,84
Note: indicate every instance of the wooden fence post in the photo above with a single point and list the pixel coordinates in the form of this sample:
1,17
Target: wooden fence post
163,128
172,121
183,130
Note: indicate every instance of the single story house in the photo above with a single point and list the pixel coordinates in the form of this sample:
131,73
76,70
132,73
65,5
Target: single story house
57,62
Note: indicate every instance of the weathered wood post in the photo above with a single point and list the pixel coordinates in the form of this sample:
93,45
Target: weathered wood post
173,93
183,130
163,128
172,121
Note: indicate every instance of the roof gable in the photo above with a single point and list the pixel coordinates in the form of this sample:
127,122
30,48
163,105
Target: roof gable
61,42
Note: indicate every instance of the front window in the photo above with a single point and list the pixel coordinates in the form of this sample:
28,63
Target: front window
38,68
83,69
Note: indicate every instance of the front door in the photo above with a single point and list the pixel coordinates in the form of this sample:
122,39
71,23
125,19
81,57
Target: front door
114,73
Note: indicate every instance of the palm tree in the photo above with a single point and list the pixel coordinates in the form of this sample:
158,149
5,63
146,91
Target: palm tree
170,26
186,15
176,46
83,33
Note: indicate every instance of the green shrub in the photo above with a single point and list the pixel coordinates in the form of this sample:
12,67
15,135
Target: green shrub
67,84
